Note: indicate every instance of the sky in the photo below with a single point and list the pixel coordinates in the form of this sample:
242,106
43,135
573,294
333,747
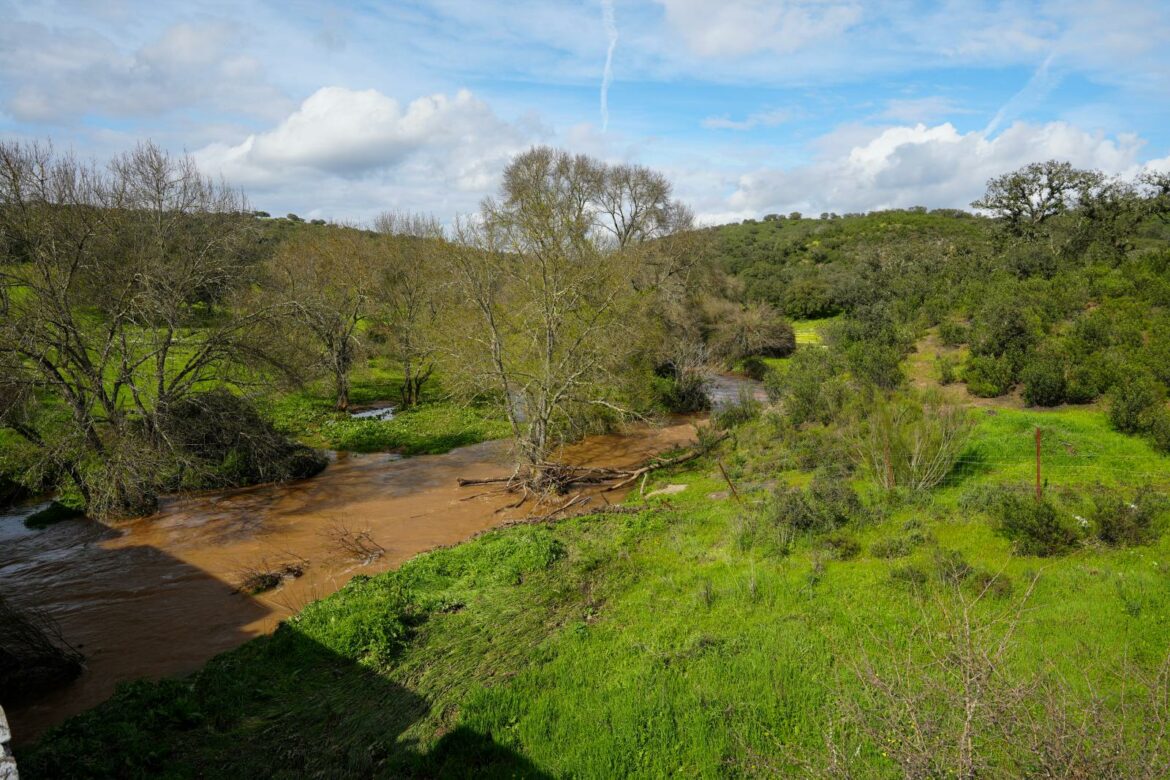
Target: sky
342,110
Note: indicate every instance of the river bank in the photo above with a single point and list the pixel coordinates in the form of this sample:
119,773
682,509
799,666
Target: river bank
159,596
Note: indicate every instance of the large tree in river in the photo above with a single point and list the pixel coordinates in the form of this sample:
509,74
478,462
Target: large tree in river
557,282
115,285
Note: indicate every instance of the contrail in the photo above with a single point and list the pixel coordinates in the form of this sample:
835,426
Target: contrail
1041,83
607,77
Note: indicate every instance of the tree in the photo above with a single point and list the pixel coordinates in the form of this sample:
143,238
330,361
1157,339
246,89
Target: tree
326,283
411,294
754,330
553,291
1026,198
116,295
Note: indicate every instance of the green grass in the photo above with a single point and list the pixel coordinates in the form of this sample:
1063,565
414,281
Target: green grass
809,331
437,425
660,643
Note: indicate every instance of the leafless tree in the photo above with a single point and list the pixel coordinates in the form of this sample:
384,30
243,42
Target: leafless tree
412,294
115,292
551,276
327,283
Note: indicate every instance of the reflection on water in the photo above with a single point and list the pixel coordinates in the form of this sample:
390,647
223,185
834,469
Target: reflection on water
157,596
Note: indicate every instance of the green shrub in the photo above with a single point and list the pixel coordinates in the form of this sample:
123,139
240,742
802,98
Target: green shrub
812,386
1043,378
826,505
1134,403
947,369
841,546
744,410
754,367
1034,526
1120,522
952,333
987,376
891,547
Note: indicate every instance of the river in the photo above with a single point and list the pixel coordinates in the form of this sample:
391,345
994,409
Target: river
159,595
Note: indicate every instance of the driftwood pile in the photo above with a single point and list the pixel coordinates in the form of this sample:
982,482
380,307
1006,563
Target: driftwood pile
543,481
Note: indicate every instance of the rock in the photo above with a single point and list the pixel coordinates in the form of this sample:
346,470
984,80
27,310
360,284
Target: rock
7,762
719,495
669,490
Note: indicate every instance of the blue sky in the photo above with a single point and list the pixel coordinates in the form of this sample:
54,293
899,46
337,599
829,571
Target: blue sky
345,110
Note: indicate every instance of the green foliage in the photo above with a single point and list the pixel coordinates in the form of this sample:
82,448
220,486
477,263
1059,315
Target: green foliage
365,621
1035,526
812,386
1125,522
988,376
826,505
953,333
426,429
1135,402
1043,378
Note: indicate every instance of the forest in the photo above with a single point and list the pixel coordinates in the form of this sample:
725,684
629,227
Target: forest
934,546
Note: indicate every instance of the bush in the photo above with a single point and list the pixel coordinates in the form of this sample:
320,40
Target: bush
952,333
827,504
1034,526
1134,403
1123,523
891,547
745,409
988,377
1043,379
841,546
947,374
811,386
754,367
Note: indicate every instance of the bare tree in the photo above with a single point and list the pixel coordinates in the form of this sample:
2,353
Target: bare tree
554,298
327,284
116,300
411,294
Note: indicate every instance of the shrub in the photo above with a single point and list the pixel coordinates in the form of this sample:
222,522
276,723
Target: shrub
952,333
754,367
1134,403
909,574
841,546
1034,526
743,410
912,442
987,376
826,505
1043,378
811,386
947,366
1123,523
1160,430
891,547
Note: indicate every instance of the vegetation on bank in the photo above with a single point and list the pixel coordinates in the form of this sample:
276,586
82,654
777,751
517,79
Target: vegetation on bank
703,637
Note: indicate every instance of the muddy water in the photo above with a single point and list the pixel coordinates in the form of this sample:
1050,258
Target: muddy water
157,596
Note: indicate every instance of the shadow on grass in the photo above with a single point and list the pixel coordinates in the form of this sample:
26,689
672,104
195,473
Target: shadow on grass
280,706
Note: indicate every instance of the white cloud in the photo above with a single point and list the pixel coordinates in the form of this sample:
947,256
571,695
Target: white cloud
770,118
53,74
923,165
739,27
360,151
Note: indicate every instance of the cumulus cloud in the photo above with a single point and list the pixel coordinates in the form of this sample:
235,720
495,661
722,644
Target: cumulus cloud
925,165
435,153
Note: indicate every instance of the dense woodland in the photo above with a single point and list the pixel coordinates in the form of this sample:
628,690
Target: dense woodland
860,580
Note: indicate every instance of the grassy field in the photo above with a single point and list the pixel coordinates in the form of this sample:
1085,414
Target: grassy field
692,638
436,425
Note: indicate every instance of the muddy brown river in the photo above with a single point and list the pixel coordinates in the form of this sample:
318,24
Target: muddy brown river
158,596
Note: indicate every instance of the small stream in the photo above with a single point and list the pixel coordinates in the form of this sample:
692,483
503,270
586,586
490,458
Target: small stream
159,595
